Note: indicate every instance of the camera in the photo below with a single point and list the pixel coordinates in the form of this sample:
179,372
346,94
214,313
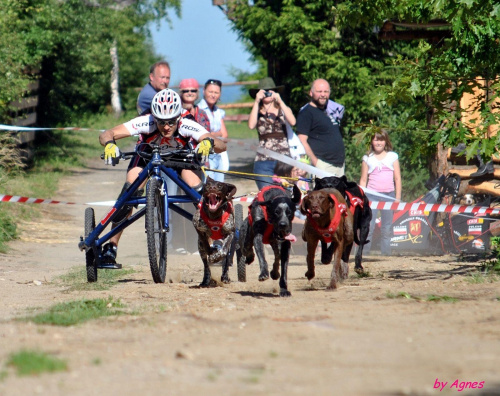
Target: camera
268,94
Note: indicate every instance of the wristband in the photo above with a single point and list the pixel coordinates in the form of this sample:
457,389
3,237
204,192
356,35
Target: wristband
110,141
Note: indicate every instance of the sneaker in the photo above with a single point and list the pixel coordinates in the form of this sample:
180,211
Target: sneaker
108,257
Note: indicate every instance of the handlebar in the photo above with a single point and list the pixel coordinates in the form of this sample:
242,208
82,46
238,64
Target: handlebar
183,158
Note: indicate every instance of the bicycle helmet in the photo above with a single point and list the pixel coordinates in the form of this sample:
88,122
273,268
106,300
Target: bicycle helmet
166,104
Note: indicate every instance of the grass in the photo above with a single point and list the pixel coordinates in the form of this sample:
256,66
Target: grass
430,297
56,153
76,312
488,271
237,130
30,362
76,279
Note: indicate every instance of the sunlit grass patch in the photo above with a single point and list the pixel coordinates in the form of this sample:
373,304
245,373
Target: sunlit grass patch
75,312
30,362
76,278
430,297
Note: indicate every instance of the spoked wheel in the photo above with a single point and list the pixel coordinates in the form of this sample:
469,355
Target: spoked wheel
240,259
90,252
238,221
156,234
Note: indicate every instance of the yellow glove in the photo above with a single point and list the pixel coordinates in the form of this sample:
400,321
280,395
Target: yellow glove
205,148
111,153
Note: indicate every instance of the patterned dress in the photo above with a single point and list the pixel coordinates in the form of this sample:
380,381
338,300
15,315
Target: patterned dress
272,135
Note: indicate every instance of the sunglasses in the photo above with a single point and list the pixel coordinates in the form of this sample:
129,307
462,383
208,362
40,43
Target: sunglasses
188,90
216,82
170,122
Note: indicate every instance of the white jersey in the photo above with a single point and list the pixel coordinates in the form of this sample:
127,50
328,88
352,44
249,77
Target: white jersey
146,125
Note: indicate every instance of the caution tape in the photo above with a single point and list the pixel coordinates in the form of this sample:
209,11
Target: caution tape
378,205
28,129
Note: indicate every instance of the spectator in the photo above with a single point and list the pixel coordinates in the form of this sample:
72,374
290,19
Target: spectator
159,78
380,172
269,116
320,133
189,89
211,95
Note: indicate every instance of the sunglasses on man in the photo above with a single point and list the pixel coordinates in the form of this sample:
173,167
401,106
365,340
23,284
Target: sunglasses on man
188,90
170,122
215,82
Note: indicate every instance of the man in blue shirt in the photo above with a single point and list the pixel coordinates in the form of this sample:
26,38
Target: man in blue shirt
159,78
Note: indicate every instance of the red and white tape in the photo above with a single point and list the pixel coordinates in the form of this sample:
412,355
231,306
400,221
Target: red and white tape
394,206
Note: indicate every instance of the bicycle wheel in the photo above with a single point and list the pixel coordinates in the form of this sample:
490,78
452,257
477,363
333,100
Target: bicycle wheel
156,234
238,221
90,259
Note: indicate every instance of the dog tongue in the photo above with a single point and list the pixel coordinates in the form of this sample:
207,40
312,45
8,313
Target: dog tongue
291,238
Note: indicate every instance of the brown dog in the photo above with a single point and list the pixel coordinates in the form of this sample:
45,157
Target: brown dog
214,220
328,220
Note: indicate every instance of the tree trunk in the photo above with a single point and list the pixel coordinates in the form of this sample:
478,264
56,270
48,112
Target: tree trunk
115,72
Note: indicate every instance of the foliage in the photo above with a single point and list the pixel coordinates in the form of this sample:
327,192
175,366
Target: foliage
463,63
31,362
75,312
74,58
304,40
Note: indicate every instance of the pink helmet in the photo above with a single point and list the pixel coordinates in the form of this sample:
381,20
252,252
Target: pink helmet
166,104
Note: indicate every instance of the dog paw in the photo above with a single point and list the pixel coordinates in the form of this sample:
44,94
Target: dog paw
264,276
332,287
275,275
225,279
310,275
285,293
359,270
204,284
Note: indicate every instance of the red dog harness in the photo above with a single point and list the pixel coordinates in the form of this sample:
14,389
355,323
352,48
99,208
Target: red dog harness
327,233
216,224
260,198
355,201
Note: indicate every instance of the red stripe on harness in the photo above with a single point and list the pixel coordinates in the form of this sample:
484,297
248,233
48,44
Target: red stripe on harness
327,233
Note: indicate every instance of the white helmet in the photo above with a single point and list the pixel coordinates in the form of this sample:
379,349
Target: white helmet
166,104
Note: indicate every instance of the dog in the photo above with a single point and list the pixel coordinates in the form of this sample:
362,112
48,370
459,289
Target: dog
330,221
269,221
359,206
467,199
214,220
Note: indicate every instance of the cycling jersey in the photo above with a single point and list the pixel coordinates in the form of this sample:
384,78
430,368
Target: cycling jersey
147,128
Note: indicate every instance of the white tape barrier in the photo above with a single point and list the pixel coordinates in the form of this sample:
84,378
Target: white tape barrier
27,129
421,208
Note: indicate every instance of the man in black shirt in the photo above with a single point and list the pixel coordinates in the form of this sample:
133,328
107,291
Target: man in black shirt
319,133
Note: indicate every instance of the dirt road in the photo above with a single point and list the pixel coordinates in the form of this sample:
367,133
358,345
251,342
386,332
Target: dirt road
241,338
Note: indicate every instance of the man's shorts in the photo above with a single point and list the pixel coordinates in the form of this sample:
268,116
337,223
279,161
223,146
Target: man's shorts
334,170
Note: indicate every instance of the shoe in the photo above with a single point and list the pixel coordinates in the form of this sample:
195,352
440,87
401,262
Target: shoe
484,169
108,257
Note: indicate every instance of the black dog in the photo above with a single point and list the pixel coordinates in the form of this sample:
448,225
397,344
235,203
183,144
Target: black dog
214,220
269,221
359,206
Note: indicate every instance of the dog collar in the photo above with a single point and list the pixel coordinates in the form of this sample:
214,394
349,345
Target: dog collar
216,225
328,232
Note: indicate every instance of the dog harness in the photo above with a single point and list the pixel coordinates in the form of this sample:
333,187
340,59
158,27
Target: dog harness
327,233
355,201
216,224
266,238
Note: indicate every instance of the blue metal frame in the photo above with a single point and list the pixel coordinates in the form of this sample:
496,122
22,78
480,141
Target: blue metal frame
154,169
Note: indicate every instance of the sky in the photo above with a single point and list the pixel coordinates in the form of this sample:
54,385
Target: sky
201,45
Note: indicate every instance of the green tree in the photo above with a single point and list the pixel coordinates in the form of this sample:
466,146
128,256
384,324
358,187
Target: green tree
70,41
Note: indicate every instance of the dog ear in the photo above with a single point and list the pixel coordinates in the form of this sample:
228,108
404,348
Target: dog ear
297,195
231,190
303,204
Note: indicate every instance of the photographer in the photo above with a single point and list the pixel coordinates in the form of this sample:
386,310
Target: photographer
270,116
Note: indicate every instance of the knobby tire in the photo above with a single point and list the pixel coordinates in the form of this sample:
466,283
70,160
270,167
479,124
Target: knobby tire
156,234
90,258
240,260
